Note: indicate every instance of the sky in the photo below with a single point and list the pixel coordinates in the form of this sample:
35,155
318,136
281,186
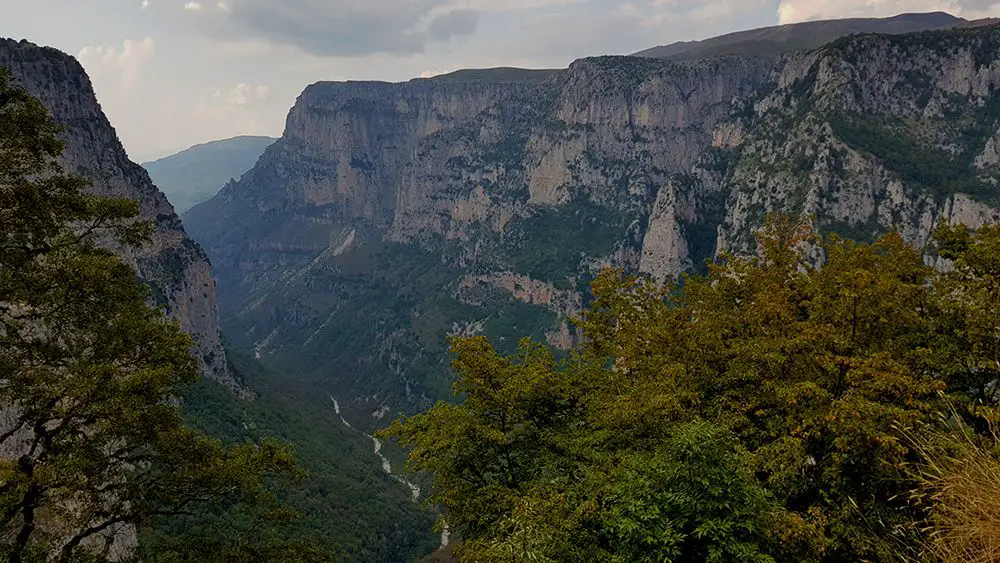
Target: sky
173,73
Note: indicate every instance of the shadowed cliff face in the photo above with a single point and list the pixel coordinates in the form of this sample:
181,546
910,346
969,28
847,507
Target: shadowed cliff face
175,268
391,215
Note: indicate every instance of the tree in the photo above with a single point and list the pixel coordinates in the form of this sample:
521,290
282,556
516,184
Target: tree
970,295
752,413
534,466
958,473
92,441
811,367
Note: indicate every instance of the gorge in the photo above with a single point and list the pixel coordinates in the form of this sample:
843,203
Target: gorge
390,216
322,285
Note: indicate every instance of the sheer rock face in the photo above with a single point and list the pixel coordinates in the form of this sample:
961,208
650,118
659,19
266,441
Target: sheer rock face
460,166
176,269
448,157
872,134
488,171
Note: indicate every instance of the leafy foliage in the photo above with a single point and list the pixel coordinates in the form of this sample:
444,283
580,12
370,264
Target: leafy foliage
970,294
748,414
93,444
529,467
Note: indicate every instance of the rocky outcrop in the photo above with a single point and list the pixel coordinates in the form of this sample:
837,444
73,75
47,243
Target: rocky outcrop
873,134
665,251
175,268
483,169
533,292
643,164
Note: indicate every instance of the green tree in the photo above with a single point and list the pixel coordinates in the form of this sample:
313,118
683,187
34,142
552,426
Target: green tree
752,413
536,465
92,443
811,367
958,473
970,295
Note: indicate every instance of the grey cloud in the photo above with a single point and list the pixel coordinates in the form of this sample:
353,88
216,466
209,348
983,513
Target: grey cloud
632,26
340,27
455,23
979,8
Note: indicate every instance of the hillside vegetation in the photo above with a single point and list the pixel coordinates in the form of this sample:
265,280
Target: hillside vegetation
762,412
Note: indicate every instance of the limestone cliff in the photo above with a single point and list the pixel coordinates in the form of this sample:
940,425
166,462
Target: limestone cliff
871,134
442,156
495,173
176,268
391,215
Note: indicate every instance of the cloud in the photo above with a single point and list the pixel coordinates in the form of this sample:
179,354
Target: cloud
121,65
193,6
236,111
341,28
792,11
243,94
119,77
455,23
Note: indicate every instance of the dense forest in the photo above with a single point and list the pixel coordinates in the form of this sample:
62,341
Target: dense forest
773,409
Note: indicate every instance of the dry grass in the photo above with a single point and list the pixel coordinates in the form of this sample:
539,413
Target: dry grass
960,486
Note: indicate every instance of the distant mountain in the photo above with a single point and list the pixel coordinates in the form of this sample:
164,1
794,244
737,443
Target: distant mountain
800,36
500,74
196,174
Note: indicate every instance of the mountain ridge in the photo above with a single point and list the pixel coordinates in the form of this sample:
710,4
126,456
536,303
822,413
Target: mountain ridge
776,40
196,173
389,216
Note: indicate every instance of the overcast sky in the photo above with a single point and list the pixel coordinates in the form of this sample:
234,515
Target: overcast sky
172,73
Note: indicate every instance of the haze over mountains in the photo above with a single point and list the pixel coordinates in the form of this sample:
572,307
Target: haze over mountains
196,174
389,216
